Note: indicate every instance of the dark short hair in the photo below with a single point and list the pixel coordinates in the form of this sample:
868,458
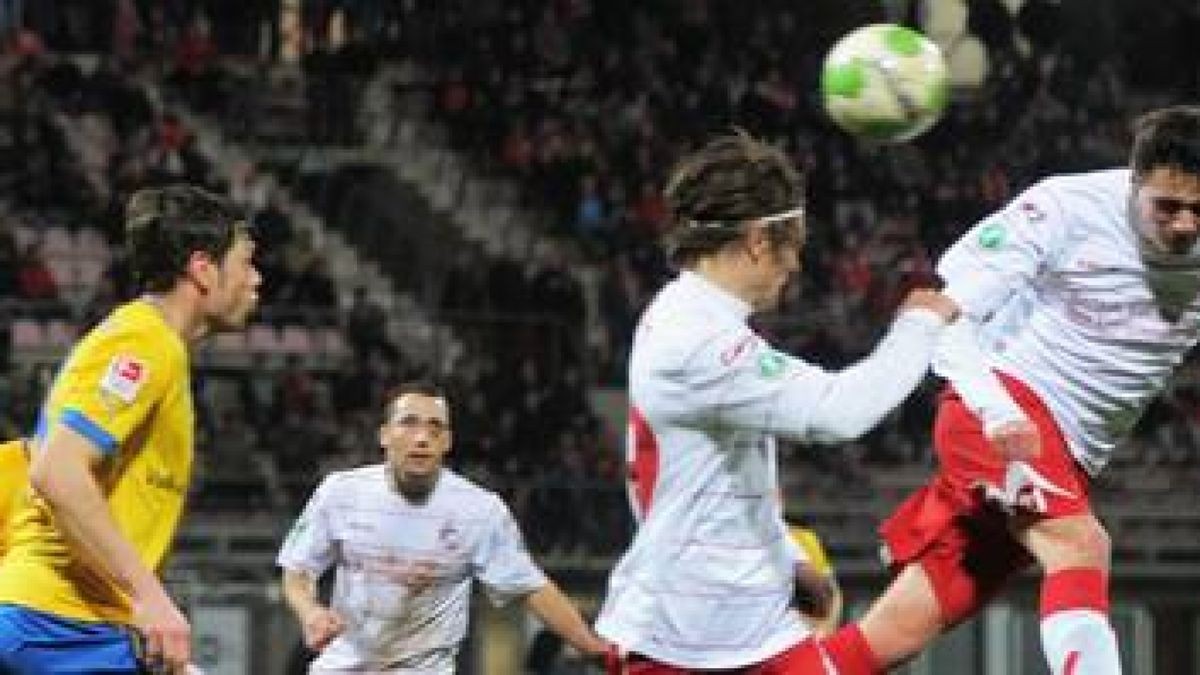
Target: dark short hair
164,226
424,387
1168,137
715,190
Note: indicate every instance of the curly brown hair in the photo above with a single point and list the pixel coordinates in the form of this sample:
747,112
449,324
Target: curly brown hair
714,191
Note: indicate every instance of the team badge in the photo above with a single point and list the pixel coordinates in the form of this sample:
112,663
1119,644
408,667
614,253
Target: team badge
124,378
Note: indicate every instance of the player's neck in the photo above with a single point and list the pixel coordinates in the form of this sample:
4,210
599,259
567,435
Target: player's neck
415,489
726,274
178,312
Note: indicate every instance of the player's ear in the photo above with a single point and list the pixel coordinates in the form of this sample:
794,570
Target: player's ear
757,239
202,270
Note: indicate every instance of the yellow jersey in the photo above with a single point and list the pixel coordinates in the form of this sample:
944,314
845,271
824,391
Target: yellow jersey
810,543
14,477
125,387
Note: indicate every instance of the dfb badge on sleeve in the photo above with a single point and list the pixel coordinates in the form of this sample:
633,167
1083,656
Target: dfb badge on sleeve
124,378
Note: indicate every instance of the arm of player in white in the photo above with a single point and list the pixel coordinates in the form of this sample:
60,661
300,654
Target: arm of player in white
961,360
554,609
983,272
307,552
736,381
854,400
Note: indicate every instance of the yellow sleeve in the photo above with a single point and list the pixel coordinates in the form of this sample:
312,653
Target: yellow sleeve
811,543
14,475
110,386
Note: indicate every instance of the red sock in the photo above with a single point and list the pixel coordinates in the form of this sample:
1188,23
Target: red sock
1075,588
849,651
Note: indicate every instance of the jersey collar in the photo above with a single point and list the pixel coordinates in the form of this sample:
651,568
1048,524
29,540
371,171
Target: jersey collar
713,294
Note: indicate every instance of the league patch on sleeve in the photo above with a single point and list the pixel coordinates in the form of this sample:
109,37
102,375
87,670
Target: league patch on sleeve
124,378
992,235
771,364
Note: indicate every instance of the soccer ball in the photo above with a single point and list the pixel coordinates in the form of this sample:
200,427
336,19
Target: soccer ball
885,83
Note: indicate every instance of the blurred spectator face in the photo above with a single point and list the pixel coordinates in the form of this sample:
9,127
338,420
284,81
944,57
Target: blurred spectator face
1167,204
416,438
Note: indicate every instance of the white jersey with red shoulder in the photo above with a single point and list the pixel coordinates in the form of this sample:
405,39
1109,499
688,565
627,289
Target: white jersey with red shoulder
708,579
1072,304
404,571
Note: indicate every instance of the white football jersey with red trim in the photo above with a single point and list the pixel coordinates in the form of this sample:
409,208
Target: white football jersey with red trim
708,579
1070,302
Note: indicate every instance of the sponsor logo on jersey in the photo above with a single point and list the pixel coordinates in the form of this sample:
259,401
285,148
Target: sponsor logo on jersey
124,378
992,235
737,350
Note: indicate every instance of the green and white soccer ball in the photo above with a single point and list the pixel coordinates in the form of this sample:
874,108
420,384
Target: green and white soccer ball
885,83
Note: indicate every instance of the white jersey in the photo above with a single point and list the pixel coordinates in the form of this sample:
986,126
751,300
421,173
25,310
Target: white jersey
708,579
1073,306
403,570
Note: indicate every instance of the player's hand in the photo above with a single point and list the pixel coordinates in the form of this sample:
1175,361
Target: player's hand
166,634
1016,440
604,654
321,625
814,592
934,301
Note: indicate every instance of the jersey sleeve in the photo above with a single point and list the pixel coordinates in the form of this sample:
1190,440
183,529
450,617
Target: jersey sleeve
109,387
738,381
1005,252
501,561
960,359
309,546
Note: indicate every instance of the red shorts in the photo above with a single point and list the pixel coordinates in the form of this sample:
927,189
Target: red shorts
957,525
804,658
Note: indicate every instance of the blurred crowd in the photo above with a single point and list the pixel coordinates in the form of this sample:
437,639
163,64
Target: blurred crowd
583,104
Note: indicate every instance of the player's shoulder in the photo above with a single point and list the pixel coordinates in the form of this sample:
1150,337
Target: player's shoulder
682,319
1090,187
466,494
135,326
355,478
459,485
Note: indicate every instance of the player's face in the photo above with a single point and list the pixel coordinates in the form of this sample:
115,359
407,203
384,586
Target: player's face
1167,204
775,258
416,437
234,293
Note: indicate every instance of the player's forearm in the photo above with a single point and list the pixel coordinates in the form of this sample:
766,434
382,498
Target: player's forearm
858,397
300,592
558,613
69,489
961,360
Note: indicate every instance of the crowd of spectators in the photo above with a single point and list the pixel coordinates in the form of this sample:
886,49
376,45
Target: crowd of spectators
584,104
268,433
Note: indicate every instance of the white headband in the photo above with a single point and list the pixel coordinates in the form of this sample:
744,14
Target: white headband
786,215
765,220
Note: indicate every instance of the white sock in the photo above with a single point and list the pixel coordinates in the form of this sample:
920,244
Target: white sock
1080,642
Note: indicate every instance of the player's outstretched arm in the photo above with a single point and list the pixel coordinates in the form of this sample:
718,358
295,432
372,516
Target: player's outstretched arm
857,398
61,474
319,623
560,615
